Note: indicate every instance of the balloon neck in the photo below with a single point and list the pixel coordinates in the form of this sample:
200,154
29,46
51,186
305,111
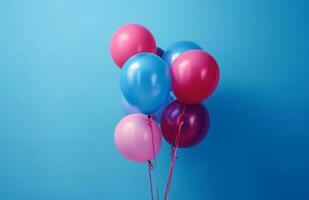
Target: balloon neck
150,165
151,117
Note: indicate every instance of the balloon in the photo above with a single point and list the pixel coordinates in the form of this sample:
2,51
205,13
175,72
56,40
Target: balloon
134,139
145,82
195,76
159,52
158,114
178,48
129,40
129,109
195,123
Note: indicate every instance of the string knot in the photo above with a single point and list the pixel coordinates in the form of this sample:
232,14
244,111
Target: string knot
150,164
173,149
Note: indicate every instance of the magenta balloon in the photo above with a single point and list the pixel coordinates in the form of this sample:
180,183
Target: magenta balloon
195,76
195,123
129,40
134,139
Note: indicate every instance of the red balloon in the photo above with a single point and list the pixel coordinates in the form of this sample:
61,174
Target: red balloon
195,76
195,119
129,40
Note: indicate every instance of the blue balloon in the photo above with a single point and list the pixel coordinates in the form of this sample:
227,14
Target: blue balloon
159,112
145,82
178,48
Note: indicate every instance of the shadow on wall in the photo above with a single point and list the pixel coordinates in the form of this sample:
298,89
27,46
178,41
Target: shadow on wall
248,152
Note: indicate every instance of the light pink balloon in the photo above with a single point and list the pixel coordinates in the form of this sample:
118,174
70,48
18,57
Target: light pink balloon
129,40
134,140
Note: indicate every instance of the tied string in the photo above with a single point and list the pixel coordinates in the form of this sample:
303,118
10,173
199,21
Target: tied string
150,121
174,154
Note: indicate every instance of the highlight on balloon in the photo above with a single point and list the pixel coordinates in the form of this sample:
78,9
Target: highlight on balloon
162,95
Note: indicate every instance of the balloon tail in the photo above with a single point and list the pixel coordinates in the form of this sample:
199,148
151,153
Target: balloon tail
151,119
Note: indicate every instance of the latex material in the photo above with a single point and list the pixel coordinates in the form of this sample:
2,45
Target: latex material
129,40
178,48
145,82
195,76
195,123
126,107
133,137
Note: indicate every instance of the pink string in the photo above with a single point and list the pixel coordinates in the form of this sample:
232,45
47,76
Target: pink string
151,118
174,154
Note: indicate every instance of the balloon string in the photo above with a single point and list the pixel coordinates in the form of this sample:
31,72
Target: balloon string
174,155
151,118
150,178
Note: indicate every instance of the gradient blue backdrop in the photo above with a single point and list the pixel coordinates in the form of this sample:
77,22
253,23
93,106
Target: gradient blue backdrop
60,100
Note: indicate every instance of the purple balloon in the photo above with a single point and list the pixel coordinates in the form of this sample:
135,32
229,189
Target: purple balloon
159,52
195,120
129,109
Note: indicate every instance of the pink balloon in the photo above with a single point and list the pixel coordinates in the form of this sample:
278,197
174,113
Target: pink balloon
129,40
134,139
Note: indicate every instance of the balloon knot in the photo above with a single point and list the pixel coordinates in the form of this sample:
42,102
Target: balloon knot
173,151
150,164
151,117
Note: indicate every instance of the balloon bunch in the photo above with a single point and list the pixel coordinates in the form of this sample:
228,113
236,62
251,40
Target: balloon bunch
164,88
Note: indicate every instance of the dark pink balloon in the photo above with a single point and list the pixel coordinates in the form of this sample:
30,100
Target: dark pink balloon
129,40
195,76
195,123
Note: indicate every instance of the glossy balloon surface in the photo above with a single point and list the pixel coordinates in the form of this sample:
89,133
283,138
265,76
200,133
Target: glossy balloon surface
137,137
145,82
130,40
195,123
195,76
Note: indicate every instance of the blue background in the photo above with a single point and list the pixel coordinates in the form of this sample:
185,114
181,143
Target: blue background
60,100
